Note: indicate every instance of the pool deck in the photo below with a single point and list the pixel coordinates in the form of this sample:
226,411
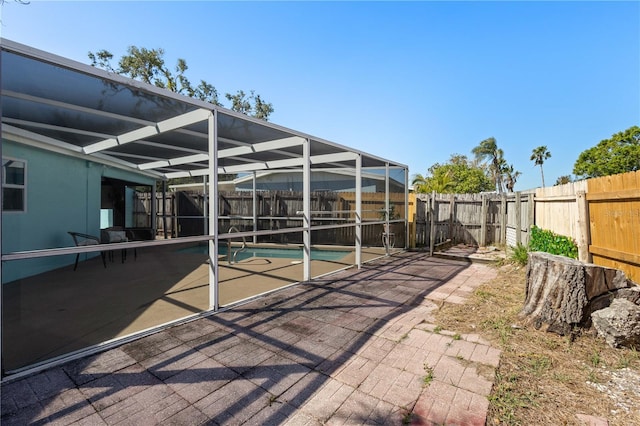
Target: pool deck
63,310
356,347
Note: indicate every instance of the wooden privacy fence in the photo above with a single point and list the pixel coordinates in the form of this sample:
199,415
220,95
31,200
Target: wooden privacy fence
183,214
473,219
601,214
563,210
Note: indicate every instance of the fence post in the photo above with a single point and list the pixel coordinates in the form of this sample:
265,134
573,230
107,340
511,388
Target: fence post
583,237
483,222
503,219
518,219
432,224
531,208
452,206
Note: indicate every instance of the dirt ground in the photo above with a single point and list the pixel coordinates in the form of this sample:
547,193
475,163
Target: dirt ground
543,378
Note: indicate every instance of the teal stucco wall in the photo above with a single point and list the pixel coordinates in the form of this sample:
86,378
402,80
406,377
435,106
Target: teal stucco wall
63,194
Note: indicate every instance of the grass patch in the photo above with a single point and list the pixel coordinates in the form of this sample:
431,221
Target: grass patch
628,359
542,378
519,255
507,399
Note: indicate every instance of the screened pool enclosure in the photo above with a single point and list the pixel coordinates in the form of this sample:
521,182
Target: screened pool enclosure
128,208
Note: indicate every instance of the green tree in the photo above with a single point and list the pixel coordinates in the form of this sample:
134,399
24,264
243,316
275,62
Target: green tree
488,150
458,175
563,179
251,105
619,154
148,65
538,155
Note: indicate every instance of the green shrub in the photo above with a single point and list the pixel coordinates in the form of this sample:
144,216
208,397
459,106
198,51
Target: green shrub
548,242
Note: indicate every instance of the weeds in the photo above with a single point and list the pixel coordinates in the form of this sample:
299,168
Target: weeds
484,295
508,397
593,377
561,377
519,255
628,359
538,364
272,399
501,326
428,378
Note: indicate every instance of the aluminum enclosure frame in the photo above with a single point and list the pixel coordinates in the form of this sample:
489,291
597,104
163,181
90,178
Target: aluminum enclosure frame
70,108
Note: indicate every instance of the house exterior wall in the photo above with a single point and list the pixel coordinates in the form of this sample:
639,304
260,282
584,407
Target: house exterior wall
62,194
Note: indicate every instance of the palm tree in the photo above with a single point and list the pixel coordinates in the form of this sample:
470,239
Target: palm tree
488,150
511,176
420,183
440,182
538,156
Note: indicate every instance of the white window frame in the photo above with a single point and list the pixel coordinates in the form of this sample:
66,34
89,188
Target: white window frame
23,187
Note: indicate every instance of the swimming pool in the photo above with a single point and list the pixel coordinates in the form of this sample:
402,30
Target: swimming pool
273,252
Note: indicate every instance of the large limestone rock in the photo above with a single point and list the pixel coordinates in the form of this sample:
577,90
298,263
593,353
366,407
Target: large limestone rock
619,324
560,291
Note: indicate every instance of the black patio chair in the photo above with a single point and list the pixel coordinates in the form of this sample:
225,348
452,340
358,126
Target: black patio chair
81,240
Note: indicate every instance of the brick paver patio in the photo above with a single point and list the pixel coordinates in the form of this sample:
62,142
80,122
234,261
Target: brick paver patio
356,347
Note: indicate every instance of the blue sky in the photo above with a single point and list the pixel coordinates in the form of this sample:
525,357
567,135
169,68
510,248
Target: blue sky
413,82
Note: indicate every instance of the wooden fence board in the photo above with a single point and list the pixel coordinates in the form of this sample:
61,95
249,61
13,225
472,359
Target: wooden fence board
556,208
614,214
463,218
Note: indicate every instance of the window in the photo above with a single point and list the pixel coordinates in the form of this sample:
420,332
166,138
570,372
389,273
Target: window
13,185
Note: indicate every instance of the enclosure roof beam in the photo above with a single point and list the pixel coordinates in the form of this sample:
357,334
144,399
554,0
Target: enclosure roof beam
261,147
160,127
100,113
332,158
292,162
174,161
71,107
50,144
44,126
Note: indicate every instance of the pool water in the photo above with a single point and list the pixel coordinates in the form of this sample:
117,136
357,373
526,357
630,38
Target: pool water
280,253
